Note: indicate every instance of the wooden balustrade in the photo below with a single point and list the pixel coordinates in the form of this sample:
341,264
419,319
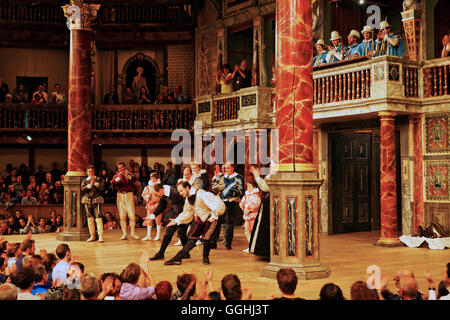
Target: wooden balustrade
20,116
227,108
42,12
145,118
342,87
435,80
410,81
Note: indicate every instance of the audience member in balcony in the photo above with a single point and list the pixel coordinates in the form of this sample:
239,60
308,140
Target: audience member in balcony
19,95
4,228
57,193
320,57
3,90
49,181
11,178
18,185
352,39
144,96
13,224
225,79
8,99
445,45
40,175
59,223
40,96
160,99
366,47
55,173
12,194
139,82
242,76
180,96
58,97
387,42
130,97
29,199
111,97
23,171
336,52
7,170
171,99
33,186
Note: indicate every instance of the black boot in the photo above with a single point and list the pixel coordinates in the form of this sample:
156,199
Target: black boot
182,254
229,235
206,249
223,229
157,256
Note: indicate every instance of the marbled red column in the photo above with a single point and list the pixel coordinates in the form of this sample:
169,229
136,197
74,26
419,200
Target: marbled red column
79,133
388,191
294,85
418,171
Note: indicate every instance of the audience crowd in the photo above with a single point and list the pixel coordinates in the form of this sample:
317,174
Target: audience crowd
26,275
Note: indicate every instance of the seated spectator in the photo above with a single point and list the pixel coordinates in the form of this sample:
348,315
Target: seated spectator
29,199
137,283
3,90
41,280
27,249
13,224
40,96
144,96
24,280
110,286
186,284
49,181
43,227
330,291
4,228
89,287
231,287
8,99
160,99
19,95
18,185
180,96
59,223
171,99
59,273
50,261
108,224
287,283
130,97
163,290
56,194
360,291
57,96
112,97
8,291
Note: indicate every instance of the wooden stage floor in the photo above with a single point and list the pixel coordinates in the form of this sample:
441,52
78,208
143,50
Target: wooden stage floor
348,256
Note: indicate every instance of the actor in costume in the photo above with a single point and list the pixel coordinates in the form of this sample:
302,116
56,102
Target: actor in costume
202,175
151,203
388,43
170,206
204,206
250,204
92,200
321,56
336,52
231,189
353,39
366,47
123,182
260,238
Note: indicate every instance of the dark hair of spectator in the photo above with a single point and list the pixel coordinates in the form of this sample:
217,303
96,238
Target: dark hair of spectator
287,280
214,295
61,250
183,282
330,291
231,287
185,184
360,291
49,260
442,290
163,290
23,278
131,273
226,66
27,244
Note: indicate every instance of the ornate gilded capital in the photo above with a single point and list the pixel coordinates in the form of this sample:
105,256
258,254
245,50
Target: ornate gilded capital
80,15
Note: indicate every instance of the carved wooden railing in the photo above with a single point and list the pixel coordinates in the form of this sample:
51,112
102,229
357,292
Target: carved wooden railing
227,108
32,116
436,78
159,118
411,81
344,82
110,12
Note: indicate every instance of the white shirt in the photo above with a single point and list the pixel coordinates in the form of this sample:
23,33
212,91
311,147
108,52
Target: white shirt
60,271
27,296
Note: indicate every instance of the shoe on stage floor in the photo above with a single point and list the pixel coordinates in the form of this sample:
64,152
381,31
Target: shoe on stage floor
147,238
178,243
135,236
173,261
157,256
124,237
228,246
187,256
206,260
199,242
246,251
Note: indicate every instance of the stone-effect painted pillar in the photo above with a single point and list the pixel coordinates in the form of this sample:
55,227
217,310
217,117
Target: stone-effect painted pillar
294,190
418,171
294,85
79,17
388,184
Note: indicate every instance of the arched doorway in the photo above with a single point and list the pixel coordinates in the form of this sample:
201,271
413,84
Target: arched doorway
151,72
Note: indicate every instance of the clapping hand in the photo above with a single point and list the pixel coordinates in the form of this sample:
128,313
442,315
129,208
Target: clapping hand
445,40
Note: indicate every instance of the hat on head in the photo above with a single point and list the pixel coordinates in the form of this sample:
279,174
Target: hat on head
384,25
335,36
321,42
366,29
354,33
